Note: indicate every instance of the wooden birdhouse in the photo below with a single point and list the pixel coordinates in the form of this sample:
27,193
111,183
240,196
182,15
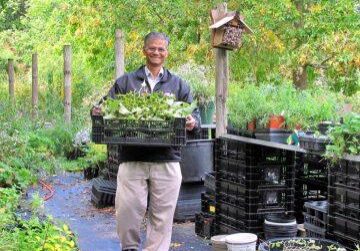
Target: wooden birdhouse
227,29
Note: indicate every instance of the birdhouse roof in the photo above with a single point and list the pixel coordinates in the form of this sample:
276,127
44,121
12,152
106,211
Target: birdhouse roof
230,16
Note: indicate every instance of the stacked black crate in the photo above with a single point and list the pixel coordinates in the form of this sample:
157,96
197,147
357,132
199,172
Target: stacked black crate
315,218
113,162
104,186
252,181
344,200
204,220
208,197
311,180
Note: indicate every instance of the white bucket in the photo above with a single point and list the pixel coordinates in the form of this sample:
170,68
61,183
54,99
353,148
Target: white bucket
218,243
241,242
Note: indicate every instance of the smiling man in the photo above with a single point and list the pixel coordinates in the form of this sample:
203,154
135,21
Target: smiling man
150,171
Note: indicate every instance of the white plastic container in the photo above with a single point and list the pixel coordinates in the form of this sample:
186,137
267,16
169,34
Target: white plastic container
241,242
218,243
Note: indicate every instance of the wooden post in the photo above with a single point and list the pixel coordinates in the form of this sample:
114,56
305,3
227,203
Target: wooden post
11,73
67,83
35,82
222,79
119,53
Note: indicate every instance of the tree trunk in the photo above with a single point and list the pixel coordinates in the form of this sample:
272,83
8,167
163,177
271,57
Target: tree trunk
67,83
119,53
35,82
300,77
11,73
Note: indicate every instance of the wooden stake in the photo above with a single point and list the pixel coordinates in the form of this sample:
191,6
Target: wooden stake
119,53
222,79
35,82
67,83
11,74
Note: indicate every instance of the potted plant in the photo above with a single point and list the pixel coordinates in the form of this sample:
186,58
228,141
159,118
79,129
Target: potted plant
202,88
345,138
245,106
277,99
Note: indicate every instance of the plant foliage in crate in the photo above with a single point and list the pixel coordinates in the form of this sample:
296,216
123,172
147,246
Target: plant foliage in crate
148,120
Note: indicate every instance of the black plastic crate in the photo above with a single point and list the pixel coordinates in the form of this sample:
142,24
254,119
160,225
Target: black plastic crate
255,176
241,212
209,183
344,226
252,154
97,129
232,149
204,225
103,192
348,242
344,195
264,197
314,231
222,228
311,189
316,212
240,226
145,133
315,160
313,167
280,200
207,203
348,168
339,209
314,144
342,180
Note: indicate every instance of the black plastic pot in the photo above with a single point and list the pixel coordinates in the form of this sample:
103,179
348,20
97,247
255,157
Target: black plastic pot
196,160
280,225
273,135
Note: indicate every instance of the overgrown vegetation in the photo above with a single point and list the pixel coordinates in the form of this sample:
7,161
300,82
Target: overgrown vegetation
31,149
302,43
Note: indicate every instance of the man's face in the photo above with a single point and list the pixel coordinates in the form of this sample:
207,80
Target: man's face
155,52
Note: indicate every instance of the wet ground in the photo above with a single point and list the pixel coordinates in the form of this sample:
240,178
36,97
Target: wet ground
95,228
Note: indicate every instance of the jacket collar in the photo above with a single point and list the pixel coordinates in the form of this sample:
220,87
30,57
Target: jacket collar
140,74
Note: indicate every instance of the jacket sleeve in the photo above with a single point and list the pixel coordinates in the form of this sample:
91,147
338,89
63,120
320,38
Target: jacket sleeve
119,87
186,96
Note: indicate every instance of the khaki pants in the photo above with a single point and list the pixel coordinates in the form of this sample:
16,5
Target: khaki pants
134,181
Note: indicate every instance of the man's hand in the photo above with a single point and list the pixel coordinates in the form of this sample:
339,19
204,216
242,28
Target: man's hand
96,111
190,123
